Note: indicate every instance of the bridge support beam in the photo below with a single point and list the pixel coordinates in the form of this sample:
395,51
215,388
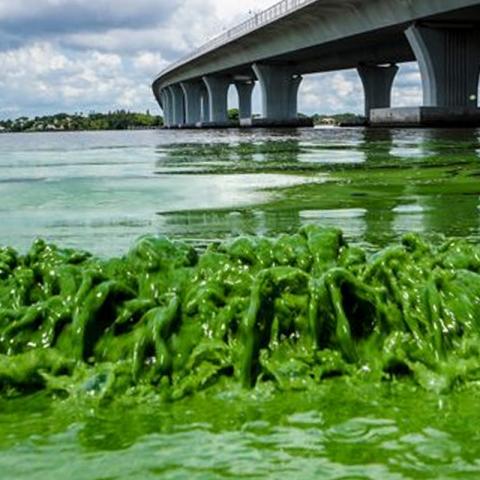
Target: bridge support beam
279,91
218,97
167,107
377,84
193,96
205,105
245,90
449,60
293,87
178,105
161,101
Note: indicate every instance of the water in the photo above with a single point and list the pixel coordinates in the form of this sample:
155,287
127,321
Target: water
100,191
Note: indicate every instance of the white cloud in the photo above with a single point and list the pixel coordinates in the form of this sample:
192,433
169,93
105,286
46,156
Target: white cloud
407,88
333,92
35,60
149,63
39,78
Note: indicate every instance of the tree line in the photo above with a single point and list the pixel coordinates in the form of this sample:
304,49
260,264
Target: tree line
117,120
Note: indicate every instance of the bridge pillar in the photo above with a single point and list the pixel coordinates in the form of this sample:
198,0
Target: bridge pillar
449,60
178,105
167,107
294,85
377,83
218,97
245,90
193,96
161,101
279,91
205,105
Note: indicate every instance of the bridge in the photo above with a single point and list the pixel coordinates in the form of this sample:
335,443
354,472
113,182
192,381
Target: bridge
293,38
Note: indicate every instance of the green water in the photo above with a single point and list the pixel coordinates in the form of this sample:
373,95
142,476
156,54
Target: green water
340,431
101,191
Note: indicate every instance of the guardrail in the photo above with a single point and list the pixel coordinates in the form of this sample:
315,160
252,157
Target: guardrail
280,9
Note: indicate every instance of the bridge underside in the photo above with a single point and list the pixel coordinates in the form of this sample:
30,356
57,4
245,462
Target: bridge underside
446,45
382,46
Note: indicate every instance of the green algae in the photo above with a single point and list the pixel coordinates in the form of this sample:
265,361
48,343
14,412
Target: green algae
291,312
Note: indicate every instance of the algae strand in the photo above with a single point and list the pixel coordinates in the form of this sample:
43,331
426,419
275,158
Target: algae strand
292,310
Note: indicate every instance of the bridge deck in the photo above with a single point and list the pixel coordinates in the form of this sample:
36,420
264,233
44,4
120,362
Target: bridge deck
318,36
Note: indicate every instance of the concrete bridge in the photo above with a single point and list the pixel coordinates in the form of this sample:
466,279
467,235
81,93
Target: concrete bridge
277,47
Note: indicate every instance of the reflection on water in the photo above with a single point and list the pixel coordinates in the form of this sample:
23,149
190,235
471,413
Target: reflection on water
101,190
376,184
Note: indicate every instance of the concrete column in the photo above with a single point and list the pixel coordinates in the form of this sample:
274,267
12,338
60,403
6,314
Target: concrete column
159,97
168,95
279,91
178,104
192,92
293,96
161,101
245,90
167,107
205,105
449,60
218,97
377,84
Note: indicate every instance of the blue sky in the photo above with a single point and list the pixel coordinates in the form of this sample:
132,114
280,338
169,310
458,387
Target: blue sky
100,55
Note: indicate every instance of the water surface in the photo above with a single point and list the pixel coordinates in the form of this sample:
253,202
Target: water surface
100,191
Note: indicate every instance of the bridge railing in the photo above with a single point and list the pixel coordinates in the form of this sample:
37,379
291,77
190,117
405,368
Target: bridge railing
280,9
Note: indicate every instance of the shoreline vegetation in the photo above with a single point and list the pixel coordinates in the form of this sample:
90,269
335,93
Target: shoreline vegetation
63,122
125,120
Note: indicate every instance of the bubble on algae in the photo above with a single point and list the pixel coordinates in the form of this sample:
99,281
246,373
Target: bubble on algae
292,311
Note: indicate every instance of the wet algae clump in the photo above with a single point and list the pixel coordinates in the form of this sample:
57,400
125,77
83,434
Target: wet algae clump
291,311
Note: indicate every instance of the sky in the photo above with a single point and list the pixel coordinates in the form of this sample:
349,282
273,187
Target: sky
102,55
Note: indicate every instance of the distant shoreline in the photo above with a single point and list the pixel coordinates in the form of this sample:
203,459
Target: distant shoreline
64,122
6,132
